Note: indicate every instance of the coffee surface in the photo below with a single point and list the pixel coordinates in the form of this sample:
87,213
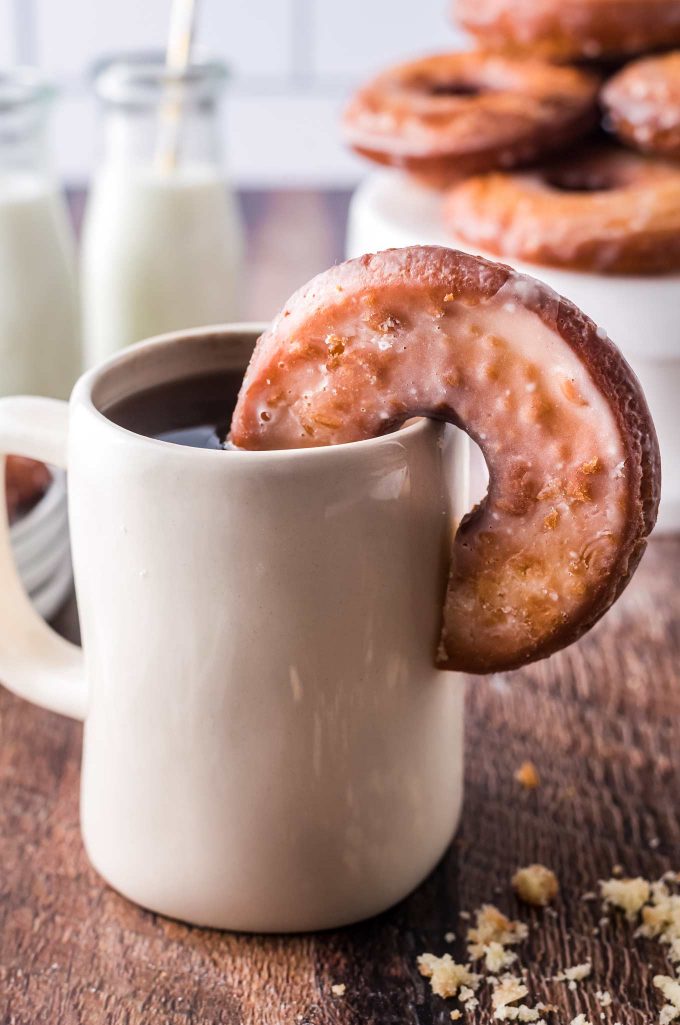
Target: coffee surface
195,411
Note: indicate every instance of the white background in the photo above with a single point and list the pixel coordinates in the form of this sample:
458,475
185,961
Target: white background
293,63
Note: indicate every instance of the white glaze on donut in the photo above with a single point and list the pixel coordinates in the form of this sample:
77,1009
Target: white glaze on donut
570,447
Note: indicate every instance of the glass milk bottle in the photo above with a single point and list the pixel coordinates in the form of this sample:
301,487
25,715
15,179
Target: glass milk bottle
39,315
162,235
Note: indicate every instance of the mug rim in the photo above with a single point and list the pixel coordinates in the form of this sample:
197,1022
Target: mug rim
82,395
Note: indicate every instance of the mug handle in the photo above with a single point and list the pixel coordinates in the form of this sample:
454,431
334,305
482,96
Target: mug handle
35,662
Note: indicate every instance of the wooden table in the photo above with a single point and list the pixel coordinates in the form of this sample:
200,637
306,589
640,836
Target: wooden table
601,722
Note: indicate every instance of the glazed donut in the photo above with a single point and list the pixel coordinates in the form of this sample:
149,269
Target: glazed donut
25,482
455,114
642,105
572,29
608,211
572,454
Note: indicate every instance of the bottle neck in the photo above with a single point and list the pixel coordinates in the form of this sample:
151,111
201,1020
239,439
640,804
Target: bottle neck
25,106
164,138
155,118
24,143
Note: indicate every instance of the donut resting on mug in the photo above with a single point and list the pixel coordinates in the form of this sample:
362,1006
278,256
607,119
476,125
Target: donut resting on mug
571,449
642,105
449,115
606,211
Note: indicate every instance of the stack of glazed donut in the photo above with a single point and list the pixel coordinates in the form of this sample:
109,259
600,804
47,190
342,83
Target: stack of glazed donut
570,165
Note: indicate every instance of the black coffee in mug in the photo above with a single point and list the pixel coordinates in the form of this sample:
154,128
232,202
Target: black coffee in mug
196,411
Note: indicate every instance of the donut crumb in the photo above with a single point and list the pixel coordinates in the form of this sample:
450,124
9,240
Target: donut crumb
535,885
670,988
629,895
575,974
492,926
527,775
446,976
508,991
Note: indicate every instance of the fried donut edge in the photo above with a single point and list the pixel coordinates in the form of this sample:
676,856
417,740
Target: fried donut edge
614,377
469,276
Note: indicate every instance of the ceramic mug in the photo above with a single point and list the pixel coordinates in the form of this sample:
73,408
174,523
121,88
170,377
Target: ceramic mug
267,744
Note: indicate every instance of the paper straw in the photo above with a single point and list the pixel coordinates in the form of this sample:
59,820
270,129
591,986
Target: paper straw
178,56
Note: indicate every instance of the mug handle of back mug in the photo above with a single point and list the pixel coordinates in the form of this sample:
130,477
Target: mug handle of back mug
35,662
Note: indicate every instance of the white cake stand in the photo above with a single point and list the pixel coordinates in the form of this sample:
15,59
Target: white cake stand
641,314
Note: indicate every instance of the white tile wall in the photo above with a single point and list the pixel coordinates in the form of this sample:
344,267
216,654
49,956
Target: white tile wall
293,63
253,35
74,136
69,34
10,36
288,140
354,37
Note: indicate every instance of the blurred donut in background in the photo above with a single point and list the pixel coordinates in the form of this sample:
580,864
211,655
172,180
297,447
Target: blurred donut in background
450,115
605,211
26,481
642,105
572,29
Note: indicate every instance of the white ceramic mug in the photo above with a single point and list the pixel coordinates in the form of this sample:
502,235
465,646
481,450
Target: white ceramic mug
267,744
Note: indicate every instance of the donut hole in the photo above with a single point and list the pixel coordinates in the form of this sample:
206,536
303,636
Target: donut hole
447,86
455,88
581,181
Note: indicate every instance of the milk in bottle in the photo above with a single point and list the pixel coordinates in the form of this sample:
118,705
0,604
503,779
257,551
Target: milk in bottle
162,234
39,316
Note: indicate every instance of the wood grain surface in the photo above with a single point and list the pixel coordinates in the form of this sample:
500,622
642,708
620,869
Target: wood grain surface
602,724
